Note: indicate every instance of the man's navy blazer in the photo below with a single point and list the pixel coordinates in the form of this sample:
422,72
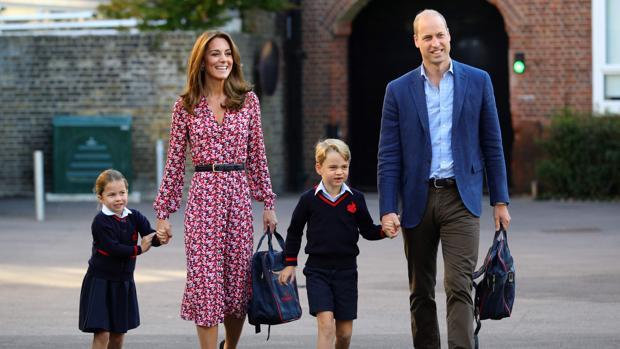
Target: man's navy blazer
404,157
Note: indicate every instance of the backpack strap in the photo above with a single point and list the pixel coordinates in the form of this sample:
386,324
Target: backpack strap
269,234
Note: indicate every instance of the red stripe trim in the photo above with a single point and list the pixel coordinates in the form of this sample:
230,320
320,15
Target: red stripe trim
333,204
291,259
103,252
135,250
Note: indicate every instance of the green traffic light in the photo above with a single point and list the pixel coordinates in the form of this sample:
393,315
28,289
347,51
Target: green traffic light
518,67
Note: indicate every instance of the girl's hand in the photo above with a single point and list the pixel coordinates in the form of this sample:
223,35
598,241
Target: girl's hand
147,241
164,231
287,275
269,220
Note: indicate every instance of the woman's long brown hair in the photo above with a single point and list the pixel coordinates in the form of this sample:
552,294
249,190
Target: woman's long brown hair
235,86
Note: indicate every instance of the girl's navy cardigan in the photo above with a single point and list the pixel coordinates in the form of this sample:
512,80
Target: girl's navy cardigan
115,244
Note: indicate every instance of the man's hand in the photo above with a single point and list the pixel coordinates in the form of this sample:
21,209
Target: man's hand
164,231
501,216
390,224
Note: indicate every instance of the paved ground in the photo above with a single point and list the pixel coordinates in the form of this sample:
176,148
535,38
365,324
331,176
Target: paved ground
566,253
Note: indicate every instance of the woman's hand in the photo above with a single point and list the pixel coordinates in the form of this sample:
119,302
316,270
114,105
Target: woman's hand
269,220
287,275
164,231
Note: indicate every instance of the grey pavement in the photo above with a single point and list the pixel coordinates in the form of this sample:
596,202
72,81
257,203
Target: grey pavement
566,255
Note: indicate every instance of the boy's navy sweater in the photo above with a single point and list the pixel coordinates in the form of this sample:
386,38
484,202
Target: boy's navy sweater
115,244
333,229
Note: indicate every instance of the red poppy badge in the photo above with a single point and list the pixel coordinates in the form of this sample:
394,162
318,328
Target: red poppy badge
352,207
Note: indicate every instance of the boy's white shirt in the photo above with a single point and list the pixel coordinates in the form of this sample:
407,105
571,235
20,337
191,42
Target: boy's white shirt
343,189
106,211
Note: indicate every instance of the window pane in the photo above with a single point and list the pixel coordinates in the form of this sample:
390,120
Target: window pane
612,87
613,31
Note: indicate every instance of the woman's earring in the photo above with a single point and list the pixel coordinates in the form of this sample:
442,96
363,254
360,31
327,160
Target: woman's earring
202,67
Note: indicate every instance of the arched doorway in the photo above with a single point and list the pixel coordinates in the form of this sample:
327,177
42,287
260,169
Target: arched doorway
381,49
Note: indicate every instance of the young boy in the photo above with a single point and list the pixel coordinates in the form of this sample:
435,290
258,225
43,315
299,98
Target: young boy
336,215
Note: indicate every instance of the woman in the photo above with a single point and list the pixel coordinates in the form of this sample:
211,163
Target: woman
219,117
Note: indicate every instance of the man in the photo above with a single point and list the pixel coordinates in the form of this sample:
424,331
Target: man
439,135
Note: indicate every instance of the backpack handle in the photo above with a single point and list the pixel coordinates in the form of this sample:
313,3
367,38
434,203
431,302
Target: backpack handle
268,233
501,234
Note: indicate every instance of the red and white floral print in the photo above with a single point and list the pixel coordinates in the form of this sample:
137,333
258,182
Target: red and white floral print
218,217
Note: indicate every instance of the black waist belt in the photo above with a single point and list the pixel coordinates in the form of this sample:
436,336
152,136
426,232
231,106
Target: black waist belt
219,167
439,183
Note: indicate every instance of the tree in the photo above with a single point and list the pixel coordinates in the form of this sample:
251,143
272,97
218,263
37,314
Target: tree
183,14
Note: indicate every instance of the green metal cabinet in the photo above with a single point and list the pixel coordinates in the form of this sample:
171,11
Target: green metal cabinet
85,146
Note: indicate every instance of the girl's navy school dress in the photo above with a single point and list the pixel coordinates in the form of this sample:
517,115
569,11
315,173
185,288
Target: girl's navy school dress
108,300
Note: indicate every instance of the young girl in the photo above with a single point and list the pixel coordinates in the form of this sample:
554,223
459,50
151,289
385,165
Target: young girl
108,302
335,215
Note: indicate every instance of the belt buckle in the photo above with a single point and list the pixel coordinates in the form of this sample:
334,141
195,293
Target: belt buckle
435,184
213,168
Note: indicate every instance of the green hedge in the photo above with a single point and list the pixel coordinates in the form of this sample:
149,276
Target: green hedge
582,157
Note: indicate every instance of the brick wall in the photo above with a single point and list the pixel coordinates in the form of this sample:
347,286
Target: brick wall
138,75
556,38
554,35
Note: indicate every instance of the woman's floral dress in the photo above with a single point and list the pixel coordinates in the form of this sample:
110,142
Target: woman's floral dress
218,217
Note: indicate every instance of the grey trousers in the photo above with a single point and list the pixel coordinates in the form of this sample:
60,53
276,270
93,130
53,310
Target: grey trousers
445,220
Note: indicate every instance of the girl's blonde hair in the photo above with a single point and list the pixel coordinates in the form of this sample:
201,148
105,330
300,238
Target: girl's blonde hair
105,177
331,144
235,86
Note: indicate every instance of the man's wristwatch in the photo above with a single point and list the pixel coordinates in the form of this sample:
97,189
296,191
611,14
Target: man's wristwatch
500,204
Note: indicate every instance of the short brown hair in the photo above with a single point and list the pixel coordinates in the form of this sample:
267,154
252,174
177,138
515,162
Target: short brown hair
331,144
427,12
107,176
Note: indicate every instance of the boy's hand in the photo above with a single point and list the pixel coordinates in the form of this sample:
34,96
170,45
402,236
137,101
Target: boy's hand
287,275
147,241
390,224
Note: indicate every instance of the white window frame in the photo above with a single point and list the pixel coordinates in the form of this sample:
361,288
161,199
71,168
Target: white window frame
599,67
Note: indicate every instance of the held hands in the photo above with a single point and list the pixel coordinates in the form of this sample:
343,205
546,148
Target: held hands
164,231
269,220
146,242
501,216
390,224
287,275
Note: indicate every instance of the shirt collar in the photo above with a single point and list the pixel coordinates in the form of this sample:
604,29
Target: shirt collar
344,188
423,72
106,211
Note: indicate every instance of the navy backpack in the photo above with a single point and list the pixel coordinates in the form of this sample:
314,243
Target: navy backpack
495,293
271,302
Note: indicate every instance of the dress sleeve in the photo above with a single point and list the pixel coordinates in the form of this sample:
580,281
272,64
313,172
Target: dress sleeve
257,170
168,198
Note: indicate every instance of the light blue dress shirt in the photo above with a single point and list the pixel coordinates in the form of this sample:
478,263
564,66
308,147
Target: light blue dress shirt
439,102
